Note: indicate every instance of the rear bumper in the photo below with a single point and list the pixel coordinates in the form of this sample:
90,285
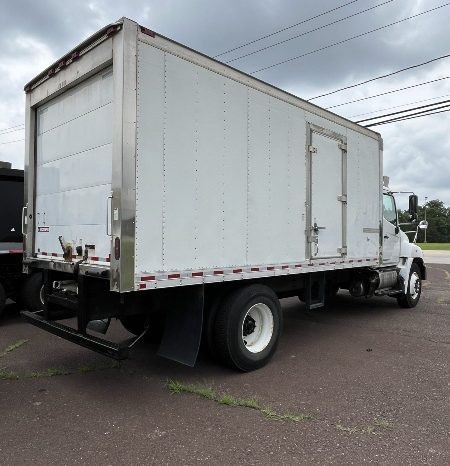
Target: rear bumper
113,350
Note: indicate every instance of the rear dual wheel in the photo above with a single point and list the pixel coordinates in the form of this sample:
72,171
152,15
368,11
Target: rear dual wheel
33,295
246,327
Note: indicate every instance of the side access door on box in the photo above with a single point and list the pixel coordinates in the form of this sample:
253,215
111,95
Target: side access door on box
326,194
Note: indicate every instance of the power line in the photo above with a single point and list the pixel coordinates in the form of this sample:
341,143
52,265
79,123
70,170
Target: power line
285,29
397,106
381,77
310,31
12,131
11,127
388,92
395,120
334,44
10,142
446,102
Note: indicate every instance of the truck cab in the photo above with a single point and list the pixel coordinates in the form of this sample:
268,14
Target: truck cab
398,251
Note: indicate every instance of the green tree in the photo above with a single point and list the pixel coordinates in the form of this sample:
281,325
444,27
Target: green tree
438,218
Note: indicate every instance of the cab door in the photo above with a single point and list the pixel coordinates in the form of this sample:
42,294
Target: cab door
391,231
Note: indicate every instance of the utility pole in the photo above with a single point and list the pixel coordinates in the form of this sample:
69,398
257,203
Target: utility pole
425,209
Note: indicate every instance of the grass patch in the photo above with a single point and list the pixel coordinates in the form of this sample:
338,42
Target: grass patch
6,374
379,423
231,400
55,371
93,368
13,347
52,372
177,387
271,414
349,430
383,423
434,246
226,399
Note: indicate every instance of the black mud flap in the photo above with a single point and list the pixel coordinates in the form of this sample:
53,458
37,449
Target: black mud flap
183,329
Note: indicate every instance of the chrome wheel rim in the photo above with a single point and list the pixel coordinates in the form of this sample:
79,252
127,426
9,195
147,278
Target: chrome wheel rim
414,285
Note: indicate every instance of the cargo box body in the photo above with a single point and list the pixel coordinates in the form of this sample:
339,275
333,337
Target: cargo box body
162,167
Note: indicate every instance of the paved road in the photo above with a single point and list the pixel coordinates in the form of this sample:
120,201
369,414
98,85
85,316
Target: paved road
374,377
437,257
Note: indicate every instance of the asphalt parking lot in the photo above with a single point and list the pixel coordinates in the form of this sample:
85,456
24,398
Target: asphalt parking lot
364,382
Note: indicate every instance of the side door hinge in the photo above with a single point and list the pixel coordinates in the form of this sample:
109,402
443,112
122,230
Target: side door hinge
343,146
342,198
312,149
342,250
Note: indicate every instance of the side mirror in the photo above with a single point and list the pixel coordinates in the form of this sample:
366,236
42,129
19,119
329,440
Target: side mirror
423,225
413,203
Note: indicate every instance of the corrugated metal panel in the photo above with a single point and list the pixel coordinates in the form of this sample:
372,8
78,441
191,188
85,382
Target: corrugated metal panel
73,175
221,171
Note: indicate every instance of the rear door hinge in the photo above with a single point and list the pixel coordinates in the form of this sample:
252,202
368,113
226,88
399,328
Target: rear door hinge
342,198
343,146
312,149
342,250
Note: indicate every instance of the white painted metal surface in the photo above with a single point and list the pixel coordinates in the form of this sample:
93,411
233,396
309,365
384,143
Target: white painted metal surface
223,166
221,177
73,169
391,232
326,189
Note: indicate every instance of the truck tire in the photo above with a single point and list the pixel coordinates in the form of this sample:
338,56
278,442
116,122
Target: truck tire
247,327
413,290
33,292
2,299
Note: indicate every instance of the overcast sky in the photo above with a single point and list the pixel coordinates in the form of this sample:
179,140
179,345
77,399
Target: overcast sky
417,152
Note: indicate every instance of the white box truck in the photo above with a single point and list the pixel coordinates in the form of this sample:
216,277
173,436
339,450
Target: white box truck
166,187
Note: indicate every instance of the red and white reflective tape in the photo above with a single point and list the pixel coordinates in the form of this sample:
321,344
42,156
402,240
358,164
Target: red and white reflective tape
12,251
174,278
91,258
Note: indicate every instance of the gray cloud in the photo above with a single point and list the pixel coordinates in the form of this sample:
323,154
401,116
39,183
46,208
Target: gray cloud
416,152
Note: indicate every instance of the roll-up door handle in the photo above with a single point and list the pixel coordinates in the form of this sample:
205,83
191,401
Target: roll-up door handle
108,215
24,216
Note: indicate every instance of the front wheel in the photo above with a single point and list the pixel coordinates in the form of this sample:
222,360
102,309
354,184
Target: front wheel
413,289
247,327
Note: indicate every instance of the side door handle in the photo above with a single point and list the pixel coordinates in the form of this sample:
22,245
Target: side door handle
316,228
386,237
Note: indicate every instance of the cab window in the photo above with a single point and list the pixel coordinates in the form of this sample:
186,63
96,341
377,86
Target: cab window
389,212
